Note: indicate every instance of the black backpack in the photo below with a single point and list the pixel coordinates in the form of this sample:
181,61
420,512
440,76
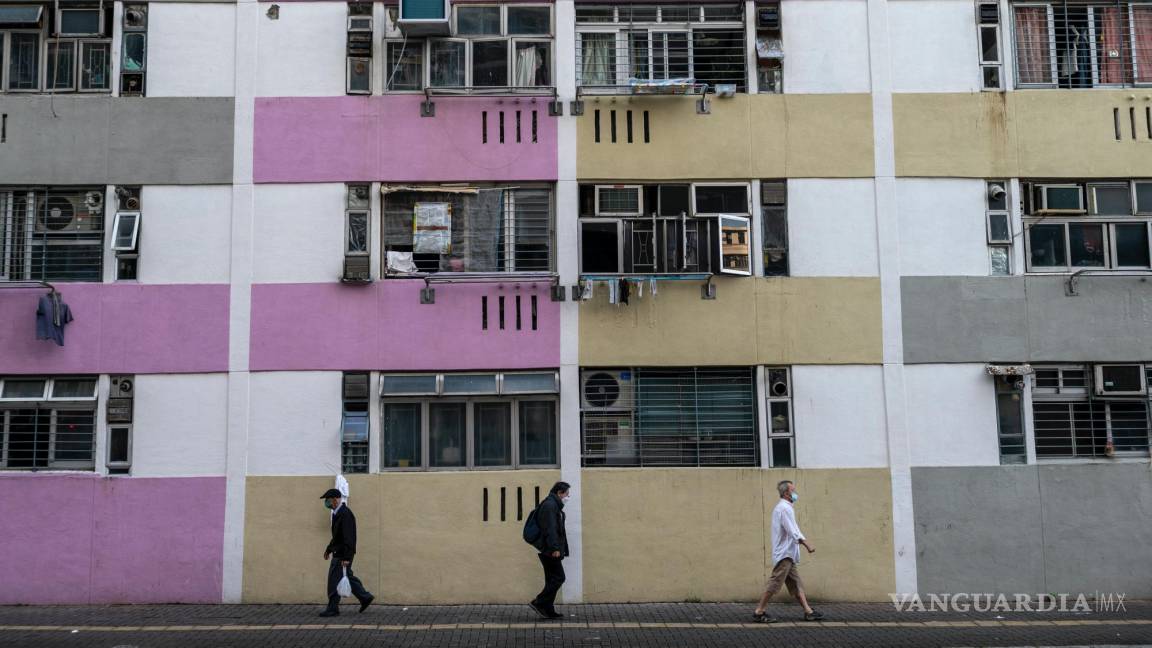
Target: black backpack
532,528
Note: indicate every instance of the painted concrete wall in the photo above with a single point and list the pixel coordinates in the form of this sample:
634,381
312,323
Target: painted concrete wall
839,416
942,227
832,228
307,219
687,534
969,319
99,540
758,136
295,426
302,53
751,321
120,328
1049,528
810,69
937,49
346,139
180,425
1024,133
951,410
192,50
108,140
384,326
185,234
421,537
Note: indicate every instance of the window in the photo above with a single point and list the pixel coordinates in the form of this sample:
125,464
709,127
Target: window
134,50
1060,45
496,46
669,417
48,423
359,49
1009,417
774,207
988,25
781,435
660,49
470,421
701,228
467,229
55,51
1072,420
1088,225
357,217
769,48
999,228
354,426
51,234
125,231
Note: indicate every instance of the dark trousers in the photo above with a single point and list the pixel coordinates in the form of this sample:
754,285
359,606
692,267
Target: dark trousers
335,573
553,579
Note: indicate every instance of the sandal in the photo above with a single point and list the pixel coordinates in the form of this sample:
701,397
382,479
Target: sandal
814,615
763,617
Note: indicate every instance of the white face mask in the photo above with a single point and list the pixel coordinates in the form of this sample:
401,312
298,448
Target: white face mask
565,498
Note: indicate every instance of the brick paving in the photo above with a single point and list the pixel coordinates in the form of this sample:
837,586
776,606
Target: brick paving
643,625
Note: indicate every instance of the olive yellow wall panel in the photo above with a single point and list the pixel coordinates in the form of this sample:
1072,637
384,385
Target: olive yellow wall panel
795,320
705,534
1024,133
422,538
771,136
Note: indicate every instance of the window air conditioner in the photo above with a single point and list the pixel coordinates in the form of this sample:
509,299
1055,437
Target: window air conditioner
357,269
1058,199
1120,380
619,200
424,18
607,390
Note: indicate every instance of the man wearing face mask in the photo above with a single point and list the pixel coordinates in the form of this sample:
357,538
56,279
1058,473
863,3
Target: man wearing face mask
341,550
786,541
552,543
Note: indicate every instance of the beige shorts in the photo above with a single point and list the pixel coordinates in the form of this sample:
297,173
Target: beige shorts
787,573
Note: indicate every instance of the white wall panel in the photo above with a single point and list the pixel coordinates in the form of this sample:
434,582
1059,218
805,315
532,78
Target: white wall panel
298,233
952,415
180,424
295,423
832,228
942,227
934,46
839,416
185,234
825,46
191,50
302,53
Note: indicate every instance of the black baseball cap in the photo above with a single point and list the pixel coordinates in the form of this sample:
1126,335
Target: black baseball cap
331,492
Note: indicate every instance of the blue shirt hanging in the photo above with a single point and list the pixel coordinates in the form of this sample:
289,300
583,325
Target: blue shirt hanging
52,315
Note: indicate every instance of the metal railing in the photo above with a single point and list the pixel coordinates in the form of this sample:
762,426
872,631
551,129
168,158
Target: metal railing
1083,45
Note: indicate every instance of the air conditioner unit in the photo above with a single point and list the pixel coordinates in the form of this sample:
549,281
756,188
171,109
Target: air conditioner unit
357,269
1121,380
608,391
619,200
424,18
1058,199
68,213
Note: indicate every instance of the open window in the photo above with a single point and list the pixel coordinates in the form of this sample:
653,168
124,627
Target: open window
125,231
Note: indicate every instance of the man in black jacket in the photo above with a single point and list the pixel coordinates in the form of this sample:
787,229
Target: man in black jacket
552,544
341,550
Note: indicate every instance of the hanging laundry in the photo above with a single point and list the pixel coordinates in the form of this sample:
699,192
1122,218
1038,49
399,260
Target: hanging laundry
52,315
640,288
624,291
652,285
612,292
586,290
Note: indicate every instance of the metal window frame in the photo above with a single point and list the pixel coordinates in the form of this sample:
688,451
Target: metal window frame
417,46
60,21
52,406
1094,209
1052,62
367,211
1098,379
1113,252
614,215
84,45
41,63
747,198
619,223
117,224
55,43
537,40
1061,392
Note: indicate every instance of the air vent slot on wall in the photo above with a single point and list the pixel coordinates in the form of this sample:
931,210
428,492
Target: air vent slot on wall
628,126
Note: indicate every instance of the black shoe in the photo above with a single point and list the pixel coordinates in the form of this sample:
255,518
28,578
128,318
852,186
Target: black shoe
364,603
553,614
330,613
763,617
813,616
539,610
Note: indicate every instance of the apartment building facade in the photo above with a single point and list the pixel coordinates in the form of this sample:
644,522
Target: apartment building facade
672,253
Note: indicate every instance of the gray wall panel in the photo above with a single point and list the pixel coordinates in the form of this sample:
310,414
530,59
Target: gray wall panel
1005,319
109,140
978,529
1076,528
969,319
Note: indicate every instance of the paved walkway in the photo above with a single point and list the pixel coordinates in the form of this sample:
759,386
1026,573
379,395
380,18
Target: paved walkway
655,625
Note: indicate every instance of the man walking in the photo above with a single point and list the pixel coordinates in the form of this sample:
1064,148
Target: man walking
552,543
786,541
341,550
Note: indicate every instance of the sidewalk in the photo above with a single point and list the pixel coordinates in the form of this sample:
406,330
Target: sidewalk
655,625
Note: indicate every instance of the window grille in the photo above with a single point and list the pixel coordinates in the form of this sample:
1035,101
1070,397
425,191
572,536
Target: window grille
48,423
1083,45
1070,421
54,234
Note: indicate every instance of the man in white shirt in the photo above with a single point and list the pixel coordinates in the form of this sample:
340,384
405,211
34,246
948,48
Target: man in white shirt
786,541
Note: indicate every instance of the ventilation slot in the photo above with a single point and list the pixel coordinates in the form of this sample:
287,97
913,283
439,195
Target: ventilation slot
596,124
534,126
484,312
628,125
1148,120
501,126
533,312
485,505
517,312
1116,122
647,139
4,128
1132,120
501,298
537,497
519,503
503,504
484,126
612,117
517,126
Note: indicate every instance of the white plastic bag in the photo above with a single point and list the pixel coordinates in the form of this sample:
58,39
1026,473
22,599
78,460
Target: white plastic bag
344,588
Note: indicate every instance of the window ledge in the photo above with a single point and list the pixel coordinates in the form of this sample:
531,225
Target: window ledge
1094,460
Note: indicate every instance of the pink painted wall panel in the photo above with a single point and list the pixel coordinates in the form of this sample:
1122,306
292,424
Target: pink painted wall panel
117,328
384,326
85,539
343,139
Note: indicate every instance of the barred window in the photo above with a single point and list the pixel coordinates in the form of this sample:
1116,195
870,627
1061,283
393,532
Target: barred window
1079,412
54,234
48,423
669,417
469,229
